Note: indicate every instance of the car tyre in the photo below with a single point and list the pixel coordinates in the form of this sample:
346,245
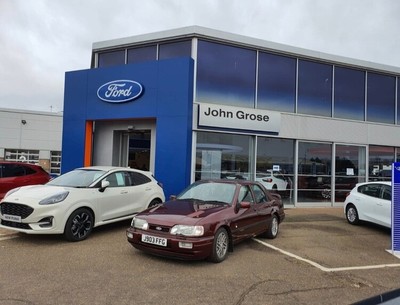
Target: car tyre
352,215
79,225
273,228
220,246
153,203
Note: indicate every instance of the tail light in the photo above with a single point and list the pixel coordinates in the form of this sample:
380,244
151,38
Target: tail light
269,180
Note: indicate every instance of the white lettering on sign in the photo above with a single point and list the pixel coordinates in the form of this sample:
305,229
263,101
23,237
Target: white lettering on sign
238,118
115,91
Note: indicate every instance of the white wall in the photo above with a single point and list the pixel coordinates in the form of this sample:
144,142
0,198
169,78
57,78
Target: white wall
41,131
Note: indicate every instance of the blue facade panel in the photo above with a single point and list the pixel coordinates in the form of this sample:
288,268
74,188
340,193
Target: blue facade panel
167,97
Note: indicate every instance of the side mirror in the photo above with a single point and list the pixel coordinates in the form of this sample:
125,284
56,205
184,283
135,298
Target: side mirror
242,205
104,185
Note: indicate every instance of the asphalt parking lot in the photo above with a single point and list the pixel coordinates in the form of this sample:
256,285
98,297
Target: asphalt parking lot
317,259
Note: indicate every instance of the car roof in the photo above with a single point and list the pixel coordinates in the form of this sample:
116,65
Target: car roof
112,168
375,182
229,181
20,163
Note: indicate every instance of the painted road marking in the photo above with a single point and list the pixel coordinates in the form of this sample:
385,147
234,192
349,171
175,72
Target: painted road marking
8,236
322,268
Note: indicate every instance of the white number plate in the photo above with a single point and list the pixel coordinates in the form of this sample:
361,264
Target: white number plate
13,218
159,241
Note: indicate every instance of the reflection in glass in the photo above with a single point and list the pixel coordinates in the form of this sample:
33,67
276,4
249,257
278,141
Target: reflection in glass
349,94
175,49
350,168
276,82
314,172
381,98
223,156
315,88
142,54
274,169
380,163
398,101
225,74
113,58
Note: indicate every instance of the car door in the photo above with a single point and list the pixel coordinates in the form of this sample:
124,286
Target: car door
263,206
116,200
244,224
367,198
141,192
383,206
280,181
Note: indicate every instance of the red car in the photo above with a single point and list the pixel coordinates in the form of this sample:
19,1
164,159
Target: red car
207,219
16,174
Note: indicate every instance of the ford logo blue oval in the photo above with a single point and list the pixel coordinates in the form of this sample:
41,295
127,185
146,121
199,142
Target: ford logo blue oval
119,91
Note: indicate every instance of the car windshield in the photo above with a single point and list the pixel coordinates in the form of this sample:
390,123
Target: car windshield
77,178
211,192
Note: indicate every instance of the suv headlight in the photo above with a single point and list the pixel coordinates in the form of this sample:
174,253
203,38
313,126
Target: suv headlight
187,230
139,223
54,198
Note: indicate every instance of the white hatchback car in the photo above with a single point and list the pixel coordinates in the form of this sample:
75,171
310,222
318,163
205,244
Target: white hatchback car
274,180
76,202
371,202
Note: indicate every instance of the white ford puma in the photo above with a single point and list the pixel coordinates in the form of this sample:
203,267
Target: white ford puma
77,201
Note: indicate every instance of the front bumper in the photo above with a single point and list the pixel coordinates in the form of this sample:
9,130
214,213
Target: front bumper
201,246
23,218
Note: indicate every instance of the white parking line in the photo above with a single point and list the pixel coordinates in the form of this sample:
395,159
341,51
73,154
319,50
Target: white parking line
322,268
8,236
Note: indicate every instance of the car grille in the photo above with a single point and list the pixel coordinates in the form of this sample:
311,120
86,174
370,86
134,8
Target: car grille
159,228
16,209
18,225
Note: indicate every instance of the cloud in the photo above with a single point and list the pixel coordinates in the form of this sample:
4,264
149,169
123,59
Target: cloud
43,39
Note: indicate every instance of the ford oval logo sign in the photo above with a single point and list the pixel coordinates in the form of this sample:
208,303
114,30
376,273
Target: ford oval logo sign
119,91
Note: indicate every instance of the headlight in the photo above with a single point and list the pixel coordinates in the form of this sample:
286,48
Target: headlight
187,230
139,223
55,198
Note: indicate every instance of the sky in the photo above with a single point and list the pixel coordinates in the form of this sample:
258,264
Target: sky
40,40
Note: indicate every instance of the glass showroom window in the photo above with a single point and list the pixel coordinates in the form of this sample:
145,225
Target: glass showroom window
349,97
276,82
21,155
224,156
141,54
314,172
350,169
274,167
225,74
398,101
381,98
113,58
175,49
315,88
380,162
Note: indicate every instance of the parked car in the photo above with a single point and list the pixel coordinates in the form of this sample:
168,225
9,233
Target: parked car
274,180
16,174
371,202
207,219
76,202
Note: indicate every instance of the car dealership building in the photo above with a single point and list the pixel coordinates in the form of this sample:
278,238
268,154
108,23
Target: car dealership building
196,103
